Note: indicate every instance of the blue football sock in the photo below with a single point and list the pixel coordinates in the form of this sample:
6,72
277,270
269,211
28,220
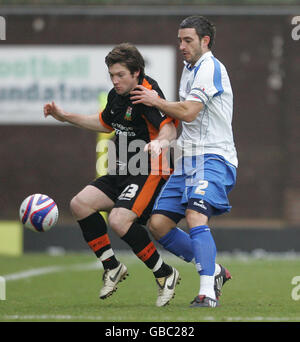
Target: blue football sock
179,243
204,249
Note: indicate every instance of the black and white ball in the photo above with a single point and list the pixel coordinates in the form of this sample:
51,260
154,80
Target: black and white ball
38,212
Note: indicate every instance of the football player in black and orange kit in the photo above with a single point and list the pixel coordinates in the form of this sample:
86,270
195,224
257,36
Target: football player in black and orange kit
127,196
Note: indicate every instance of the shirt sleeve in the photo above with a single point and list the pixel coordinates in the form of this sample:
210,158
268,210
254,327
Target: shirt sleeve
207,82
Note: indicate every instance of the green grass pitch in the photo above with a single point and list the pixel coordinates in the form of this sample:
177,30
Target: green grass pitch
65,288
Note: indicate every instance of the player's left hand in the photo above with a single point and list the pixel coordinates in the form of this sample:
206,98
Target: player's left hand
140,94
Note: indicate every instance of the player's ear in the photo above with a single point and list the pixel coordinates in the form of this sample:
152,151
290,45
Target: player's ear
205,41
136,74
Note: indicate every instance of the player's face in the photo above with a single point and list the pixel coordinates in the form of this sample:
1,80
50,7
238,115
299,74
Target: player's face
191,47
123,81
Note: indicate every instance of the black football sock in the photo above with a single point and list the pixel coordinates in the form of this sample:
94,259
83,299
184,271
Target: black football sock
139,241
94,230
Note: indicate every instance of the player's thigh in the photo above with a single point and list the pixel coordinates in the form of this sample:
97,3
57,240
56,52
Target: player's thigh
89,200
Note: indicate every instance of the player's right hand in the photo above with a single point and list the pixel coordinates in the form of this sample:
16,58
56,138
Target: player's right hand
53,110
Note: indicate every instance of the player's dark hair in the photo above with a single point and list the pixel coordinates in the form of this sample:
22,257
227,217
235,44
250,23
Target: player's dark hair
202,26
128,55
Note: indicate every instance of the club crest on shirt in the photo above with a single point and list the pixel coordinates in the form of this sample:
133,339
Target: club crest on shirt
128,114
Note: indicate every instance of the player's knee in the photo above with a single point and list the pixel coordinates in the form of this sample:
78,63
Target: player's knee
75,206
120,221
195,218
160,225
79,208
155,226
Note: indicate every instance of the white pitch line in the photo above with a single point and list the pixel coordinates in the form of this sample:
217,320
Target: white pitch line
50,269
100,318
262,319
55,269
52,317
130,258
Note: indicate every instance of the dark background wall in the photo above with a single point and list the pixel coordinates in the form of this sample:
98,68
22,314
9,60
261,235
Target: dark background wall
263,62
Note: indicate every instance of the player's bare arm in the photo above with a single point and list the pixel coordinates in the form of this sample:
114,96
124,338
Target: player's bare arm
186,111
90,122
166,134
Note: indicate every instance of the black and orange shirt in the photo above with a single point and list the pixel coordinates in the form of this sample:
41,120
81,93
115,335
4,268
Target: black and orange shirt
132,122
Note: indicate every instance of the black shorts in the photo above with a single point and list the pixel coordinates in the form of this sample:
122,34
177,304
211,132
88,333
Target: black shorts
136,193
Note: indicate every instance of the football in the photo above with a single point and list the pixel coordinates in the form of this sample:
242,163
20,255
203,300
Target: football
38,212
